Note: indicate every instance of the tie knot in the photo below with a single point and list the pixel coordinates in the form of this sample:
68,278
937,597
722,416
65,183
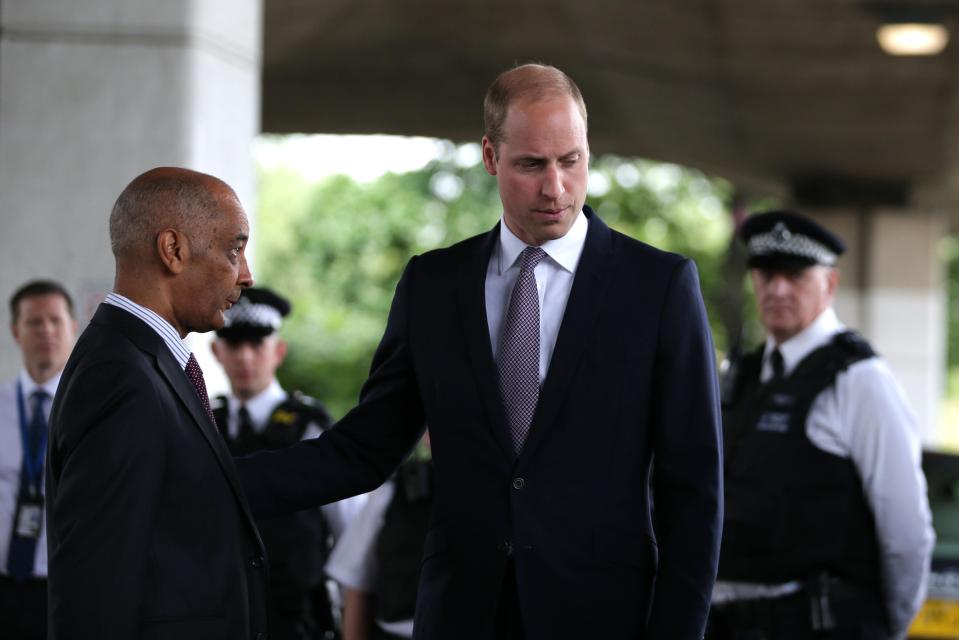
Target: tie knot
532,256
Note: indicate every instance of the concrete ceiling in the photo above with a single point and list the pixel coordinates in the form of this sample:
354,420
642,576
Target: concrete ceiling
781,94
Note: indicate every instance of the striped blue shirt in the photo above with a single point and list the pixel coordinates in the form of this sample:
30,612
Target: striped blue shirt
163,328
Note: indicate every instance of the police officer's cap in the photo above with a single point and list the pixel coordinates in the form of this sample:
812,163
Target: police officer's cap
788,240
258,313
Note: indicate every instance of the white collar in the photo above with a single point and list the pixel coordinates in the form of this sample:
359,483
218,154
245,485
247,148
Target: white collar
564,251
169,335
806,341
29,385
261,405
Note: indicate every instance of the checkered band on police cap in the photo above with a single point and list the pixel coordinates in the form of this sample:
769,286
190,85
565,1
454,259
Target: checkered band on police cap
782,240
258,312
787,238
253,314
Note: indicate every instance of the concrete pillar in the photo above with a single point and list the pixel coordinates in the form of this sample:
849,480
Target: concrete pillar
892,289
92,93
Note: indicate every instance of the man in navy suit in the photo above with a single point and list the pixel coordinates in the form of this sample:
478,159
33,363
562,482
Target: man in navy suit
567,375
149,533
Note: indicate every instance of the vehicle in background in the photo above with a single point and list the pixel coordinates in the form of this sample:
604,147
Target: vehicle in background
939,616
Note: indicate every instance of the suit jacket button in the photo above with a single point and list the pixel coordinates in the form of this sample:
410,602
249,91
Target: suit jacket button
519,483
255,563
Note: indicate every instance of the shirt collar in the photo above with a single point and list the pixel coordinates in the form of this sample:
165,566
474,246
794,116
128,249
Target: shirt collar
29,385
806,341
261,405
563,251
156,322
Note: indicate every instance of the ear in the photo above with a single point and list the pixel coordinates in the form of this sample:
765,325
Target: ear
15,332
281,350
832,282
173,249
489,156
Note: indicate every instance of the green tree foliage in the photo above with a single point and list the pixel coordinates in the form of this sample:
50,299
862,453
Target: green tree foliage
338,247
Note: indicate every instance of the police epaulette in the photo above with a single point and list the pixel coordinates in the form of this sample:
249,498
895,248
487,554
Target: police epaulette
310,408
854,345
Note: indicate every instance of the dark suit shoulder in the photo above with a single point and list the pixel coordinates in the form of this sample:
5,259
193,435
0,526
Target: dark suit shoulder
448,257
630,248
101,344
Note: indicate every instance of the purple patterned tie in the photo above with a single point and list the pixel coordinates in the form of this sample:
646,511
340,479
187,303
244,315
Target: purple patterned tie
195,374
518,359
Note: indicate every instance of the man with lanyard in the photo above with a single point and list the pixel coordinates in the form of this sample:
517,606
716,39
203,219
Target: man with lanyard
44,328
258,414
827,530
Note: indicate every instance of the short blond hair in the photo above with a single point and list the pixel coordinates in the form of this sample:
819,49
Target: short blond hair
531,81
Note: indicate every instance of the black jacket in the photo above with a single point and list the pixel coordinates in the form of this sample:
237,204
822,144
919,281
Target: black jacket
632,375
149,533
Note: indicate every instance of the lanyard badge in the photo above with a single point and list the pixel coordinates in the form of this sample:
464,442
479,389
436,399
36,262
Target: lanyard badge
29,516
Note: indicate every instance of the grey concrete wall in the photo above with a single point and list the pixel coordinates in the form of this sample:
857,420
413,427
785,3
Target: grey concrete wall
892,289
92,93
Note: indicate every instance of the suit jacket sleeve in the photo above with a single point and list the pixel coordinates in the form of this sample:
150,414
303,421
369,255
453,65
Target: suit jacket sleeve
108,456
687,465
359,452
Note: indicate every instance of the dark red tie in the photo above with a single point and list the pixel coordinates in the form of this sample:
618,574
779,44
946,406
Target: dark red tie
195,374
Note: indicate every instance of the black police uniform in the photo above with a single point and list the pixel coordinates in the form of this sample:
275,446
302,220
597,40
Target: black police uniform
298,544
794,513
399,548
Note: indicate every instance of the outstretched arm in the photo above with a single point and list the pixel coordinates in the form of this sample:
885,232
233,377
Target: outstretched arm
361,450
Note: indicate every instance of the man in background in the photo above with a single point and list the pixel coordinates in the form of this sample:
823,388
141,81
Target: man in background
828,532
43,325
259,414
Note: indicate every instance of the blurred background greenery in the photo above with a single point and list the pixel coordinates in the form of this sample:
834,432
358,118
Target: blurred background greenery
336,246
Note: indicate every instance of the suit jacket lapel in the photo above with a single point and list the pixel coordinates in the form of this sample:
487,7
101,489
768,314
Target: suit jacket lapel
145,338
472,302
576,330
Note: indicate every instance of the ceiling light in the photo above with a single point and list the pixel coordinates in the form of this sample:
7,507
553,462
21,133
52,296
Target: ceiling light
912,38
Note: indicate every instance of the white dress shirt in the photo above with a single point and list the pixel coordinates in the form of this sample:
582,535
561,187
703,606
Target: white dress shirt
11,460
865,417
260,407
353,562
554,280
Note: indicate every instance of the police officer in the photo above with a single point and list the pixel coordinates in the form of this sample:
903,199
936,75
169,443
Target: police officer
258,414
827,528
